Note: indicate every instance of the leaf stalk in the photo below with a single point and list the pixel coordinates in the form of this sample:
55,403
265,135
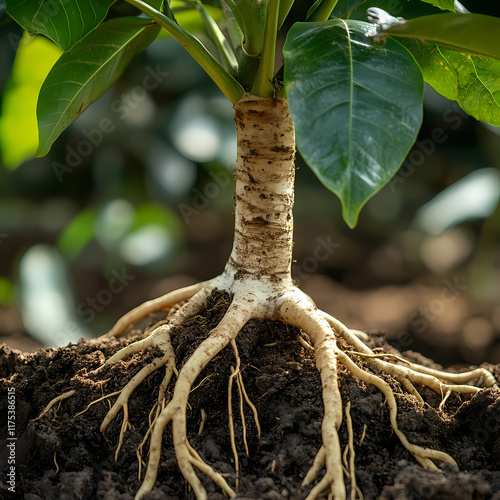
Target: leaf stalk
225,50
323,11
263,84
227,83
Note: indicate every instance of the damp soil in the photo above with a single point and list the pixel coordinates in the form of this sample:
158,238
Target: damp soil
63,454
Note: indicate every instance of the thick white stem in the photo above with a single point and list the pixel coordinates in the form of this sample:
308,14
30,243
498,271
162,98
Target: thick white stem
264,177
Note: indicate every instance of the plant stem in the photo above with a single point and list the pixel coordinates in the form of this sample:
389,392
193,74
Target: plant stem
253,14
263,84
234,10
323,11
233,27
264,191
225,50
229,86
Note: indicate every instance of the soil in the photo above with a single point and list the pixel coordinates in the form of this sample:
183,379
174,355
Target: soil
63,454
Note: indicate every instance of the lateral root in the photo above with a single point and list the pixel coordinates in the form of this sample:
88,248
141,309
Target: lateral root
320,333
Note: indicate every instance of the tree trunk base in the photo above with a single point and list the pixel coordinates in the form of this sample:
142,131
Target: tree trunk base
63,454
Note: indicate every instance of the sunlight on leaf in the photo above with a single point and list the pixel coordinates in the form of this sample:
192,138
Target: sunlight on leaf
85,72
473,33
357,108
471,80
64,22
18,125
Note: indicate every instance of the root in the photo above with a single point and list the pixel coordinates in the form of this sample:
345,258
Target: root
410,371
423,455
304,315
231,424
167,358
300,312
203,420
320,332
164,302
237,315
57,399
350,449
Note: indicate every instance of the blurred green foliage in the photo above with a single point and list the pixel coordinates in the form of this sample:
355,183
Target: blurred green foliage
18,125
117,204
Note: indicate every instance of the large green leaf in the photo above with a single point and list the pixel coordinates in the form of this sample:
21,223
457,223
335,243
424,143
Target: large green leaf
18,128
85,72
471,80
63,21
472,33
357,108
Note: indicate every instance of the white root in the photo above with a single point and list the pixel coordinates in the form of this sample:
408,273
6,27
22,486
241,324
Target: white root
297,311
231,424
350,448
164,302
57,399
423,455
186,311
237,315
321,331
168,357
411,372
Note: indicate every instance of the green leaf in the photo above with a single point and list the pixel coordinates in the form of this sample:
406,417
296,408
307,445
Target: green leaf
442,4
471,80
86,71
155,3
18,127
357,108
313,8
63,21
356,9
472,33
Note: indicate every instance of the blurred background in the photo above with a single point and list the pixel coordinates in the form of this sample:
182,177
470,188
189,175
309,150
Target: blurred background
135,200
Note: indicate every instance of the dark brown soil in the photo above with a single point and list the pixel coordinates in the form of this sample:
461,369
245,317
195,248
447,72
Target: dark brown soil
64,455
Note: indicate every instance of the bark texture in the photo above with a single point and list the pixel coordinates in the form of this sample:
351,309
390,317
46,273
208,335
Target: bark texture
265,175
